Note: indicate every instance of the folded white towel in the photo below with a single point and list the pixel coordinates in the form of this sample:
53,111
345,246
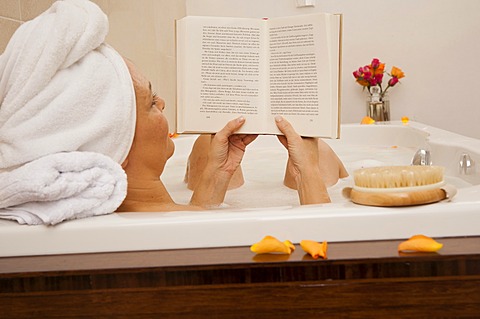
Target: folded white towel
62,186
63,92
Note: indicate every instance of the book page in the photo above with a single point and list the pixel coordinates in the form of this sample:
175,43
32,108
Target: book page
220,73
304,72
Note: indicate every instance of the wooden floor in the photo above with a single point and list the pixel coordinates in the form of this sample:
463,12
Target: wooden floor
358,280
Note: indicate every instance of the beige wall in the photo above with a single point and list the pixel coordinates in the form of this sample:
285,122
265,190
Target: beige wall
14,12
142,30
427,39
435,42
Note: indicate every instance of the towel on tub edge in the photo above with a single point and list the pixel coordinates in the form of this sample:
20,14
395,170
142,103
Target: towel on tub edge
62,186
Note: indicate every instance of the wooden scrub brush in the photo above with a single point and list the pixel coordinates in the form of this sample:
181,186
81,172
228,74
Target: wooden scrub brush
399,186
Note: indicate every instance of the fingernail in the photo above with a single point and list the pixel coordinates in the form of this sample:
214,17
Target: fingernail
278,118
240,119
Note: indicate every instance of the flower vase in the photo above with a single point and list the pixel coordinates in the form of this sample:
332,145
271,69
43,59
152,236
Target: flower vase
378,110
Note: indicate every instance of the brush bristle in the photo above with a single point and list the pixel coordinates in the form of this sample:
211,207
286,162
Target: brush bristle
398,176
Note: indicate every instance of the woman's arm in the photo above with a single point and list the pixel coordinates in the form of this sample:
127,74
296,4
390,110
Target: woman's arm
304,169
330,165
197,160
224,157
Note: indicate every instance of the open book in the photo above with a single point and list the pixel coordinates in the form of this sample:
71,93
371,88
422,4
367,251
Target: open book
259,68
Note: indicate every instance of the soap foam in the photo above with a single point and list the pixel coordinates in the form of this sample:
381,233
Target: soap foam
264,167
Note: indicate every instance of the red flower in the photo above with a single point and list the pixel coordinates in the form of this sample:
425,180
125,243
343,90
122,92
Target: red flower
375,63
393,81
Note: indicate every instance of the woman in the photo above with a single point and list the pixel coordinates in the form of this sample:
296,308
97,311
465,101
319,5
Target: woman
72,110
152,147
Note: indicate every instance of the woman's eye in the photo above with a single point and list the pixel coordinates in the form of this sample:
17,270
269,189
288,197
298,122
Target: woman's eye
154,99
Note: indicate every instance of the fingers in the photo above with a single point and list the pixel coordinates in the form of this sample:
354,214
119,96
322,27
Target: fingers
290,135
231,127
249,138
285,127
283,140
241,141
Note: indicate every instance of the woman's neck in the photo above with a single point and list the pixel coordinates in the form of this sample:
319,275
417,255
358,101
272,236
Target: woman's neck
145,195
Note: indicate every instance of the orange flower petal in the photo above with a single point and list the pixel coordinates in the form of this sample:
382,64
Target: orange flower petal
289,244
367,120
363,82
420,243
405,119
397,72
379,70
270,244
315,249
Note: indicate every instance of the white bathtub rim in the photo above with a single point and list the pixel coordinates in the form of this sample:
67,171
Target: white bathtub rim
153,231
331,222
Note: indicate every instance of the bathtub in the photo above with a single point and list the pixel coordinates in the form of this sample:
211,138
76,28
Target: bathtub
263,206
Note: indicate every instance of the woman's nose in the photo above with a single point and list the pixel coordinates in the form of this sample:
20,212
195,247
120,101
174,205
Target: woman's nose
160,103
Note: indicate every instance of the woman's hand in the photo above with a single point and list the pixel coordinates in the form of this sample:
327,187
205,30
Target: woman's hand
303,155
224,158
227,149
302,151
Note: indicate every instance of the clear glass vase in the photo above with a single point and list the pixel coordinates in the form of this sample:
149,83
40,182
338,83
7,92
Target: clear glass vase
378,110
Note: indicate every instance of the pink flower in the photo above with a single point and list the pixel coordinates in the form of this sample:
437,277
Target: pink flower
379,78
393,81
371,75
375,63
377,66
363,76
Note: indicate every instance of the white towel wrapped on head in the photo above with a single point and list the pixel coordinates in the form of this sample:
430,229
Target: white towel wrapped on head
62,89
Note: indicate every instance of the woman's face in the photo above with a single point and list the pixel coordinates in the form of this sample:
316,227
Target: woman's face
152,145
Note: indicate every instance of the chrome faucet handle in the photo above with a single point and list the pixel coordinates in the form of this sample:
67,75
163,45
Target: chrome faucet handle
466,164
422,157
